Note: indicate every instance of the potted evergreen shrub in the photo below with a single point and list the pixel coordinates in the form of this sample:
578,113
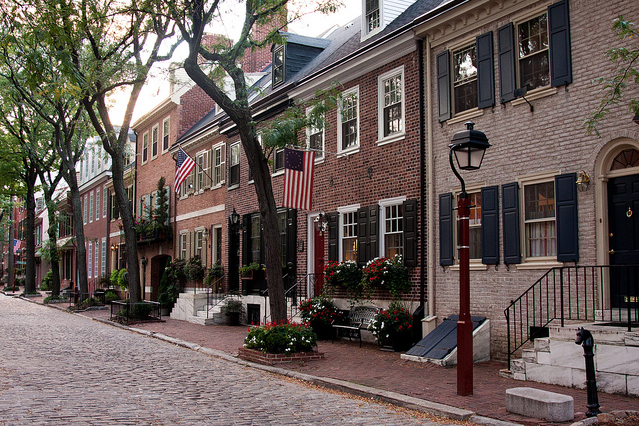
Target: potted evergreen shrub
233,309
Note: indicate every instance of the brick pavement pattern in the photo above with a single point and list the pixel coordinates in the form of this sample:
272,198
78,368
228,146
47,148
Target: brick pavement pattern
59,368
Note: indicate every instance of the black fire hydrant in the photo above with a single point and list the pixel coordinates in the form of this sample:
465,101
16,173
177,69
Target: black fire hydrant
584,338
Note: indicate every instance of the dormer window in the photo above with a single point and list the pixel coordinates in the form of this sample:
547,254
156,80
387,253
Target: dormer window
372,16
278,66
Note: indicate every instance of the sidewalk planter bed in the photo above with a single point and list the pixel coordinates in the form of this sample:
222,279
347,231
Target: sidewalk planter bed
282,341
271,359
392,327
320,313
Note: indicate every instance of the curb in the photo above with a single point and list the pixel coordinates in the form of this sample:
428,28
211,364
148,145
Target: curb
394,398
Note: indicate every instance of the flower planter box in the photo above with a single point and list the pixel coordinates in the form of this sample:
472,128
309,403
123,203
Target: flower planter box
271,359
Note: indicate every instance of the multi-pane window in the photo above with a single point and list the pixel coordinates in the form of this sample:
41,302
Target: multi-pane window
105,201
154,141
90,260
348,117
349,236
315,140
219,164
534,70
278,65
391,103
217,244
234,171
393,231
96,255
200,160
539,220
281,218
256,246
182,253
278,164
84,216
474,225
145,147
372,15
465,78
115,211
91,207
97,204
165,134
199,245
103,259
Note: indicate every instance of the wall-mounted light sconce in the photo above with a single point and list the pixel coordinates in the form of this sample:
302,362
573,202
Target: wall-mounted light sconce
144,261
300,246
321,224
583,181
369,172
114,247
205,234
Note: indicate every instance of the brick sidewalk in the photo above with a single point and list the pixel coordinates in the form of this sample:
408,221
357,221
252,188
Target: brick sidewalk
369,366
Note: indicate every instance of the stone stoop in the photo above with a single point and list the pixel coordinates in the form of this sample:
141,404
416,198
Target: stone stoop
557,360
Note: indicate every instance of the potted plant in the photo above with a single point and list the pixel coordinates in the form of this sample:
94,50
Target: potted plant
171,283
393,327
213,276
247,272
320,313
194,270
389,274
232,309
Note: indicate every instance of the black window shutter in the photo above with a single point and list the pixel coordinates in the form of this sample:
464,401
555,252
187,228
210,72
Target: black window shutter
410,232
443,86
373,232
291,238
362,236
246,240
485,71
446,229
490,225
559,44
333,236
510,218
507,70
566,216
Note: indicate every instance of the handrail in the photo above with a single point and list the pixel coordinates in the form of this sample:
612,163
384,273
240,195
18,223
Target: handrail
217,300
571,293
295,295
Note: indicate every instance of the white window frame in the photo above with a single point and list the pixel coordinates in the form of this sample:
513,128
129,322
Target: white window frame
103,256
96,258
105,201
145,147
342,212
97,204
183,249
234,160
455,49
90,260
166,133
155,140
353,91
388,202
366,33
214,243
475,263
91,207
199,244
218,167
381,139
200,167
311,131
523,19
529,262
84,210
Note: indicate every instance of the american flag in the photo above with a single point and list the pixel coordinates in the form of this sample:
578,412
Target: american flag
298,178
183,167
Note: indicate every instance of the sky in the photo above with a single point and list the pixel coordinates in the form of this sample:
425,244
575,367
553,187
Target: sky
157,88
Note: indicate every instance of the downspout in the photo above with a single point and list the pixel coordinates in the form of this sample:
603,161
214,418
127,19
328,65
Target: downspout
431,203
422,183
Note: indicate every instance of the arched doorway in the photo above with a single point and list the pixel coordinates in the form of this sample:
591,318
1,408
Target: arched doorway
617,201
158,264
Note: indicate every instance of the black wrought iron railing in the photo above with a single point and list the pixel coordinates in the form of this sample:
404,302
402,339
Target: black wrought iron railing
606,294
213,295
128,312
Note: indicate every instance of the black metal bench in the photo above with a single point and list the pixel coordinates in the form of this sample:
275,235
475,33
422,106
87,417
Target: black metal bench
359,318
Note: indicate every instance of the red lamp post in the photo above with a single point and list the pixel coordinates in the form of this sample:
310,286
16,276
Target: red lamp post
468,147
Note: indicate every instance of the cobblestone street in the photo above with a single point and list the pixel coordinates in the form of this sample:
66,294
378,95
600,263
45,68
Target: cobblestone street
59,368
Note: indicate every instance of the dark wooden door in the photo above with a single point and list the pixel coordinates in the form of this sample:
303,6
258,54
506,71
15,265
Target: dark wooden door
623,223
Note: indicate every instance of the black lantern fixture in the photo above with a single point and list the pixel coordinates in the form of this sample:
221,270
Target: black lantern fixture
321,224
234,219
469,147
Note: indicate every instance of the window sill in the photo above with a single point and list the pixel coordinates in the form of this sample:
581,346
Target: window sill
347,152
539,264
474,266
535,94
466,115
233,186
278,173
390,139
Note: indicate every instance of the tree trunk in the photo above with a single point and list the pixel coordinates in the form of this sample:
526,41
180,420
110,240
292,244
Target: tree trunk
128,224
28,231
53,244
12,234
78,227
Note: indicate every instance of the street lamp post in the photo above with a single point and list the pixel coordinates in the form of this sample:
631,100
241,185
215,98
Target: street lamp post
468,148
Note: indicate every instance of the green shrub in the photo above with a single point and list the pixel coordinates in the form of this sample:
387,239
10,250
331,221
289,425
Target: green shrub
281,339
123,279
47,281
114,278
110,296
